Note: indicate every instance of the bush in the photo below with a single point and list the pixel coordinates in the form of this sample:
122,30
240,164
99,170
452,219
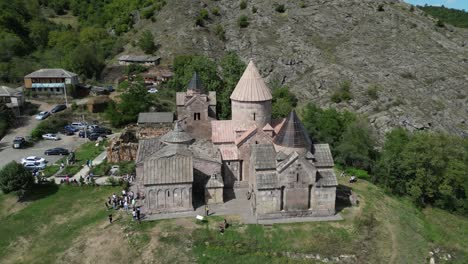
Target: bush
53,124
302,4
440,23
146,42
343,94
373,92
243,21
219,31
243,5
15,178
254,9
101,169
199,21
215,11
148,13
204,14
280,8
361,174
380,8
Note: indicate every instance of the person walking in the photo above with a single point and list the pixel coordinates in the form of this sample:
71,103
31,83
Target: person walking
62,166
138,212
126,206
207,210
134,214
110,218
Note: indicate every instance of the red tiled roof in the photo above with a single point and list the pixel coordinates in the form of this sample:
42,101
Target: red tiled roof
229,152
246,134
251,87
223,131
278,124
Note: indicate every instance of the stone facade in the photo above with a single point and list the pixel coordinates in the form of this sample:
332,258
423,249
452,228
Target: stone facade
258,113
168,198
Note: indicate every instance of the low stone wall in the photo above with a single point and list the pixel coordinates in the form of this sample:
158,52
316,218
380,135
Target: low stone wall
295,214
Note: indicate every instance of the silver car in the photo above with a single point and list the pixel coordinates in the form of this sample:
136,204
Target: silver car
50,136
42,115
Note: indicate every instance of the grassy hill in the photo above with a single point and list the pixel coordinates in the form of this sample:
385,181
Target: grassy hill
69,225
455,17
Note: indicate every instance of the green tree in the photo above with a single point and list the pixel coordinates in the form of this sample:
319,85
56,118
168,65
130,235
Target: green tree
146,42
283,102
357,146
15,178
86,60
232,68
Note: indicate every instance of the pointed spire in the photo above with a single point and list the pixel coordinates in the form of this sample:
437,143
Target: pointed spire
251,87
195,84
293,134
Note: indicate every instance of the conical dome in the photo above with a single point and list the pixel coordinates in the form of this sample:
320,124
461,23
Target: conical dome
251,87
195,85
177,135
293,134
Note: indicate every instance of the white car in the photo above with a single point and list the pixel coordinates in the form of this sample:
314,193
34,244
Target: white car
35,166
78,125
32,160
42,115
50,136
153,90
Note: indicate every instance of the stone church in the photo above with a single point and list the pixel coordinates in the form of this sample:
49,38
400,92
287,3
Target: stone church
282,171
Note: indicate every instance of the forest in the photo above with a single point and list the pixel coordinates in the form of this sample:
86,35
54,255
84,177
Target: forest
455,17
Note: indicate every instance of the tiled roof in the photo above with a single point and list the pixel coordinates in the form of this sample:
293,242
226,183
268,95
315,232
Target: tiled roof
195,84
293,134
251,87
229,152
172,164
278,124
268,127
264,156
323,156
267,180
286,162
51,73
138,58
177,135
326,177
155,117
223,131
246,135
147,147
7,91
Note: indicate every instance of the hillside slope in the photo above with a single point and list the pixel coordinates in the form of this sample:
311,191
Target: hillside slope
69,225
418,70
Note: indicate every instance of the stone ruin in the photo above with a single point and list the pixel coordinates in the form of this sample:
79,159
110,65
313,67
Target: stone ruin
123,148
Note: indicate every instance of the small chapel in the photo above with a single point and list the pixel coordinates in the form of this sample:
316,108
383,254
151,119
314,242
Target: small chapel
283,171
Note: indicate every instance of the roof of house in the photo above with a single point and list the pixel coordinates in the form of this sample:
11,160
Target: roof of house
139,58
326,177
223,131
51,73
264,156
229,152
177,135
251,87
293,134
7,91
147,147
170,165
246,135
159,72
287,161
266,180
195,84
155,117
323,156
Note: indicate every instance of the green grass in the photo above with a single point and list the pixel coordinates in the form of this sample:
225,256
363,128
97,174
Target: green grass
87,151
50,170
382,229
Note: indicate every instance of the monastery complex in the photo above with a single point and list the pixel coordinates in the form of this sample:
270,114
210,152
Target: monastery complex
204,161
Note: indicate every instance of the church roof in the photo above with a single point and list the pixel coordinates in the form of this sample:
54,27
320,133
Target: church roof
326,177
251,87
170,165
323,156
177,135
264,156
195,84
293,134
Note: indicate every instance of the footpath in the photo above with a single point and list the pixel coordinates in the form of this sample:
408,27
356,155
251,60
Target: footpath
85,170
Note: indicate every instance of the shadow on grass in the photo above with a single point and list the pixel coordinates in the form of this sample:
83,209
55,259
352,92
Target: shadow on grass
39,191
343,194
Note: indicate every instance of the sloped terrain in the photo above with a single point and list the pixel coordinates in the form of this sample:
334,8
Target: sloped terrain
402,68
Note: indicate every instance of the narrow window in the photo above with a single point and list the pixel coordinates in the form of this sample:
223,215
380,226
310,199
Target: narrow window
168,193
282,199
256,142
310,197
254,116
297,177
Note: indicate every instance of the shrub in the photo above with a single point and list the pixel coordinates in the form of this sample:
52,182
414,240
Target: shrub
408,75
148,13
243,4
380,8
373,92
411,8
243,21
204,14
53,124
302,4
343,94
15,178
440,23
146,42
215,11
199,21
219,31
361,174
280,8
254,9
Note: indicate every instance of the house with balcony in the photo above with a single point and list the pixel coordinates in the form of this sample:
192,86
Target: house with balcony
49,81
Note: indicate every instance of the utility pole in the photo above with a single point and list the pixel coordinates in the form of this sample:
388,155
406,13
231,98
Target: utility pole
65,89
86,127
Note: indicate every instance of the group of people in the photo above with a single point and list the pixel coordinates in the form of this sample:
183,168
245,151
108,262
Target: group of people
129,177
126,201
67,180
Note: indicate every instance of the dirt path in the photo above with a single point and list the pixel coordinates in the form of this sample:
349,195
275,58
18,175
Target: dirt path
391,230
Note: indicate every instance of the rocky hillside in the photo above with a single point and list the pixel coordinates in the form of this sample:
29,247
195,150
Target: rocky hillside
401,67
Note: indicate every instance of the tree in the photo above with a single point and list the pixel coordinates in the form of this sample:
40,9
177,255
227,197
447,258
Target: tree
357,146
283,102
86,60
15,178
232,68
146,42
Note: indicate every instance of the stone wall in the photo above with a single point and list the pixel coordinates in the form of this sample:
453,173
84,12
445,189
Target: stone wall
251,112
123,148
168,198
324,199
267,201
231,170
146,132
214,195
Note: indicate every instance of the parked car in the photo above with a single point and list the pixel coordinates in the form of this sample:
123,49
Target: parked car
95,136
153,90
58,108
57,151
92,126
19,142
70,128
78,125
67,132
101,130
50,136
32,159
82,133
35,166
110,88
42,115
